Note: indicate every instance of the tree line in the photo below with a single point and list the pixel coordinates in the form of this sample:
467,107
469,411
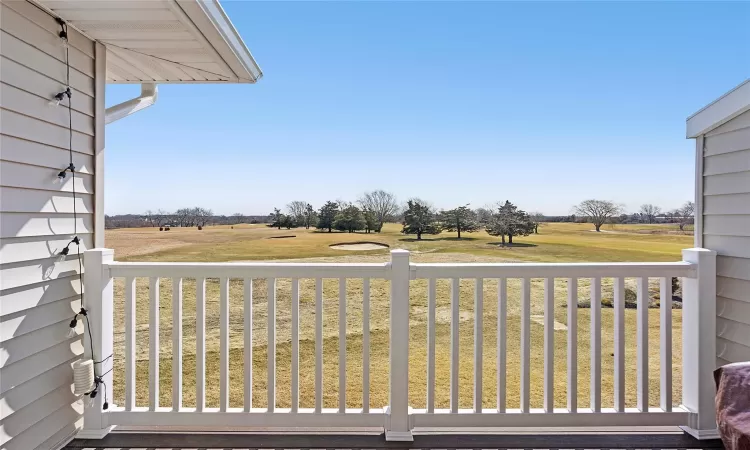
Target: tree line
418,217
368,214
183,217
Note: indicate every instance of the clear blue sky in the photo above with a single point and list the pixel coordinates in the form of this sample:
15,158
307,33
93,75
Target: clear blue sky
544,104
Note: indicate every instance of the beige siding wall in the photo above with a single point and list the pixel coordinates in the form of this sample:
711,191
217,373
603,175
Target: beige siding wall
726,229
39,294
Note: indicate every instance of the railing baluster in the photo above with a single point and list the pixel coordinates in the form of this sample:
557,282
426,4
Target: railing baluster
525,343
642,332
342,345
665,316
153,339
318,345
502,314
478,341
366,345
431,345
596,344
129,343
455,284
573,345
223,344
549,345
619,363
176,344
248,351
200,344
295,344
271,346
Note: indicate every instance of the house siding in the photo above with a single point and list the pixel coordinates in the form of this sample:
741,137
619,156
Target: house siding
38,293
726,229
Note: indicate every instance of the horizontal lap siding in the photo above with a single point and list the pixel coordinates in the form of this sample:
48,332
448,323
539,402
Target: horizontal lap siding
733,309
728,266
39,293
726,229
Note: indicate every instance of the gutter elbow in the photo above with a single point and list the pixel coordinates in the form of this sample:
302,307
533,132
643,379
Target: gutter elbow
149,94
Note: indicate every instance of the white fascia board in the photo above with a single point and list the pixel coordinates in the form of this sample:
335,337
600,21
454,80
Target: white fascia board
210,18
721,111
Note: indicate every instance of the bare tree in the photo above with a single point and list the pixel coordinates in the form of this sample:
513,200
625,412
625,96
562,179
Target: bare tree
161,217
650,212
686,214
148,217
537,218
383,204
183,217
202,216
296,211
597,212
238,218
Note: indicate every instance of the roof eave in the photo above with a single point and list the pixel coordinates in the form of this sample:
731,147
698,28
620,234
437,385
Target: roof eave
720,111
229,43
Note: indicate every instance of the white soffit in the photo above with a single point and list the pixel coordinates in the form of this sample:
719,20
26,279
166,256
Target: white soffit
721,111
162,41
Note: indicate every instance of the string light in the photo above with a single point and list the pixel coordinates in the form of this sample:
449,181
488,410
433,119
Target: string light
60,96
62,173
82,314
66,249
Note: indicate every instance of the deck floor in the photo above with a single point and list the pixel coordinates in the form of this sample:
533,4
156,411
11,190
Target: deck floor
426,441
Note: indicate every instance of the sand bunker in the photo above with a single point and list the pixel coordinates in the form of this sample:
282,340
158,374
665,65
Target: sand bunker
359,246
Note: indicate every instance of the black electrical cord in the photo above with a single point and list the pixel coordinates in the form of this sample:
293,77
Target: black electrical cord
71,168
104,360
91,339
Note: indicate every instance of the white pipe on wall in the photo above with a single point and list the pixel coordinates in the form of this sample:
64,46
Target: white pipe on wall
147,98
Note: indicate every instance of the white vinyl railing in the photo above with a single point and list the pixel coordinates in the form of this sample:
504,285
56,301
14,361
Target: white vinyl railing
398,418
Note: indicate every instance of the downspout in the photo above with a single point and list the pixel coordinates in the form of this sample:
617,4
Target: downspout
121,110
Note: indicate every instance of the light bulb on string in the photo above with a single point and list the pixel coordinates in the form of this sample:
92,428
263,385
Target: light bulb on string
66,250
57,99
63,173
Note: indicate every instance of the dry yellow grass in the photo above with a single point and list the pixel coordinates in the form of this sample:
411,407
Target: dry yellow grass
379,326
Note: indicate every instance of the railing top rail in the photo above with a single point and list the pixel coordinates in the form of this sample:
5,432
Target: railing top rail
249,270
556,270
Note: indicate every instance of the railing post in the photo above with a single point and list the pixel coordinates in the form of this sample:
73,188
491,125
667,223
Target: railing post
699,344
397,421
97,290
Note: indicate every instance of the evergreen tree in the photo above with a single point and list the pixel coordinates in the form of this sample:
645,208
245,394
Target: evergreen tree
287,222
371,220
276,218
327,215
510,221
419,219
349,219
459,219
309,216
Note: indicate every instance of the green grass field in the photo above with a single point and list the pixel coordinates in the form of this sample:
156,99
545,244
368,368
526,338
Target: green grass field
555,243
